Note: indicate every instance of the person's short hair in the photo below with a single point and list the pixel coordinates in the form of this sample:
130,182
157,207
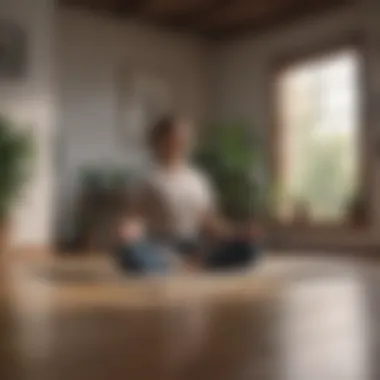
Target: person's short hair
162,128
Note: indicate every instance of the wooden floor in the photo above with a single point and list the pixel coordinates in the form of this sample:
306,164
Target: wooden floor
290,318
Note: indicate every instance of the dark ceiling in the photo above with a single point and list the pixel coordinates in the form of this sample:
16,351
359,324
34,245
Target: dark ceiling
212,17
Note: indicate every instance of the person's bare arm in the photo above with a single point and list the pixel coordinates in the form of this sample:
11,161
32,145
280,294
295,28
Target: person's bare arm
216,227
131,226
219,228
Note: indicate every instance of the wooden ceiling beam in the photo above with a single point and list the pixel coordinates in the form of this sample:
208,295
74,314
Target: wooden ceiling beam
126,7
242,10
190,19
274,21
213,18
173,6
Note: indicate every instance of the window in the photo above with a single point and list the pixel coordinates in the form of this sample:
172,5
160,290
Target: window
319,130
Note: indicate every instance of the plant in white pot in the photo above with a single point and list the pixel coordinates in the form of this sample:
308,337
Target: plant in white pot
15,167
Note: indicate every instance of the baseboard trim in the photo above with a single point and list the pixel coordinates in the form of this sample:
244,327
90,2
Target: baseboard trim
328,250
30,251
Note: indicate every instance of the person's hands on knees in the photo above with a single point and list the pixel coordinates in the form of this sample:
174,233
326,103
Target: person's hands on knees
251,232
218,229
131,230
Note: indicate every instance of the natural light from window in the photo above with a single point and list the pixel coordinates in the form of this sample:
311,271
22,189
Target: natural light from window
319,115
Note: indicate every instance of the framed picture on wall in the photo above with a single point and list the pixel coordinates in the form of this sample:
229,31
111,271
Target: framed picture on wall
144,97
13,50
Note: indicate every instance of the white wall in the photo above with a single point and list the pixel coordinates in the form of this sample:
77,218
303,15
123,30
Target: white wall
243,74
30,101
93,51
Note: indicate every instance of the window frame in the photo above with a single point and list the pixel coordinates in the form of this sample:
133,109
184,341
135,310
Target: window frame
301,56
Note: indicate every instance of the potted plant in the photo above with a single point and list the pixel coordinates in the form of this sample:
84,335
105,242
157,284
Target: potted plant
15,164
301,212
233,157
358,211
102,199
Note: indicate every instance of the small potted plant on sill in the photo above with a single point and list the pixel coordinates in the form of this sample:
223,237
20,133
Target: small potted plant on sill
301,212
15,165
358,211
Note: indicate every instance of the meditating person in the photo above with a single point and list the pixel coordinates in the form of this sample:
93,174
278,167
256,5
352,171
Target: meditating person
174,213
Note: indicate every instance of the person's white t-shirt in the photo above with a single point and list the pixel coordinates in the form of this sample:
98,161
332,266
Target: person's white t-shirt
175,201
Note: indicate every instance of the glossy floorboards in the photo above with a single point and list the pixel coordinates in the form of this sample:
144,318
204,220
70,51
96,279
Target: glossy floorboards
289,318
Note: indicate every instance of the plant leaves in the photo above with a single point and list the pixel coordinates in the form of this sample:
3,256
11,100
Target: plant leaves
16,153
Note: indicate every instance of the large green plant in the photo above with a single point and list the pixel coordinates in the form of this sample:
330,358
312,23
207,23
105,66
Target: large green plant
15,163
234,158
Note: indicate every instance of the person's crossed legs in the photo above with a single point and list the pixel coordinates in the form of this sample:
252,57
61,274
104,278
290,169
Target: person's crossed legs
147,257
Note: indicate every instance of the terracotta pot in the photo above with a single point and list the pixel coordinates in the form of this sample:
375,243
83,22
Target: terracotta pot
359,215
301,213
4,236
5,295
